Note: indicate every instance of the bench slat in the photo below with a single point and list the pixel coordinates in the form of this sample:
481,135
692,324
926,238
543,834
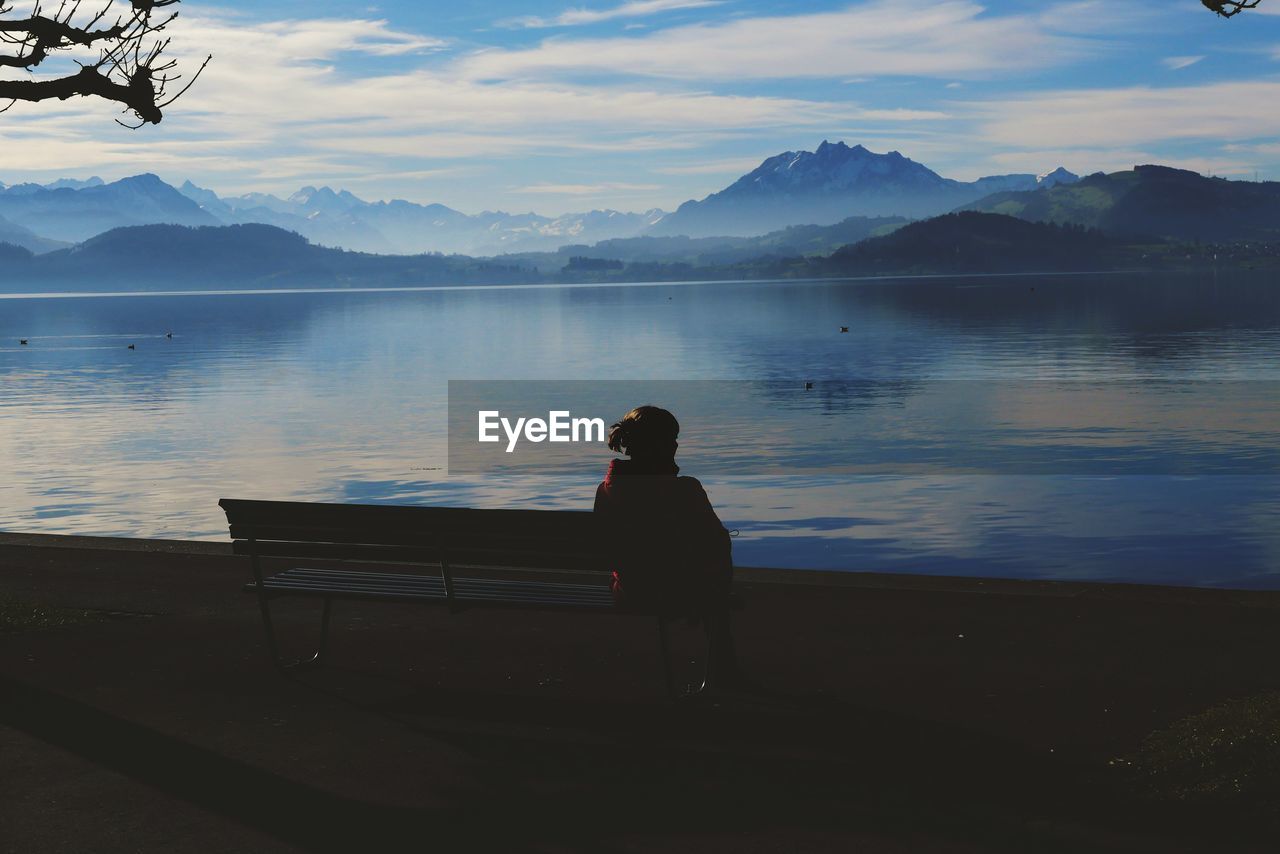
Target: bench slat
307,571
415,547
353,594
496,557
400,518
339,582
303,570
337,551
344,585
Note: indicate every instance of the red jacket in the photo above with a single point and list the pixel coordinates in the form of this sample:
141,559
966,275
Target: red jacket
666,543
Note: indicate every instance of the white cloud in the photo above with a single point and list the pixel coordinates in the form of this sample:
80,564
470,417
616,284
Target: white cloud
633,9
336,101
1102,17
283,102
885,37
1134,116
1269,149
1177,63
303,40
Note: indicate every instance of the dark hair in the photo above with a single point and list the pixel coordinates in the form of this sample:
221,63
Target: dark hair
643,428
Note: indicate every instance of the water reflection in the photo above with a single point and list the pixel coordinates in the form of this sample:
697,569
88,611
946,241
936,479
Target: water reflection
341,396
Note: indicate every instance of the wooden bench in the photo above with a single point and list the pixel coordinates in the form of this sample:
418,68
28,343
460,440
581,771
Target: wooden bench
413,554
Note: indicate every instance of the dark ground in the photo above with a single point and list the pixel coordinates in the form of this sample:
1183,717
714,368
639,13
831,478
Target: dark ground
138,712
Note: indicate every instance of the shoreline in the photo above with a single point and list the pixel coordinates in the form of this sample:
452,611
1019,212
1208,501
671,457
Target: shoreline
36,295
753,575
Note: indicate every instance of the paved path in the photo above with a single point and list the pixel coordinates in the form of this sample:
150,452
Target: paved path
906,714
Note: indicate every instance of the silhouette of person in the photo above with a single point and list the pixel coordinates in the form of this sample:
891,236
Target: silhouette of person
669,550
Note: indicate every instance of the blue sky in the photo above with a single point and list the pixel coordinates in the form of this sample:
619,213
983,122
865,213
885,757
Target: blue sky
632,104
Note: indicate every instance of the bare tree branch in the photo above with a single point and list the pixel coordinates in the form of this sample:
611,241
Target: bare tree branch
130,68
1227,8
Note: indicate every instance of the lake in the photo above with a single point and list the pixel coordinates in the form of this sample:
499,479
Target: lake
1110,427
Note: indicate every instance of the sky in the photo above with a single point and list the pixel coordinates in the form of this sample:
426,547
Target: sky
556,106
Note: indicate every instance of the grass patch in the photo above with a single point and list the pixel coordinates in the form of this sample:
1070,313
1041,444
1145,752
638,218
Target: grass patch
24,617
1229,753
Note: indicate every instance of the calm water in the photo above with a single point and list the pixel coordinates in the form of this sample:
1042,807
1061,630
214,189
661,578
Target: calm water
1119,427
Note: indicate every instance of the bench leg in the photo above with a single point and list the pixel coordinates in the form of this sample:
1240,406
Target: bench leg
273,647
722,658
710,665
319,654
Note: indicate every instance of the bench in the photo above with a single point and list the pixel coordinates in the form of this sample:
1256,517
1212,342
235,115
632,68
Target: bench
414,554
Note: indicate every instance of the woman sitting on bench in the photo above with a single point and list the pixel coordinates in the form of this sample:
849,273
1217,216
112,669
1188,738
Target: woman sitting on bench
670,552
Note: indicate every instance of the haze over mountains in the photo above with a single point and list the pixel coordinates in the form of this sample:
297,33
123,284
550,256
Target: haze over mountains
795,188
339,218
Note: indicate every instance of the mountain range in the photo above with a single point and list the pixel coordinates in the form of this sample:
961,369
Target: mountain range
339,218
823,187
794,204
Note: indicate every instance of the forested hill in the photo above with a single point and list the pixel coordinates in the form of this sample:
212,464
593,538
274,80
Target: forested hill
172,257
978,242
1152,200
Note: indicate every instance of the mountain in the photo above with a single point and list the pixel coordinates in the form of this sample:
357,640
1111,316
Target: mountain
74,183
73,215
342,219
61,183
1056,177
16,235
828,185
1152,200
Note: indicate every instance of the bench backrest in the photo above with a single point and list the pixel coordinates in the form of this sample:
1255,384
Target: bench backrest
524,539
